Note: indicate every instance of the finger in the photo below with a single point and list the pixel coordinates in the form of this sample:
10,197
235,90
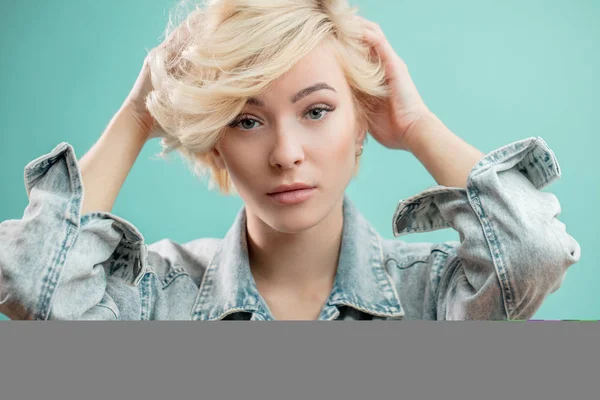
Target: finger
374,36
364,20
380,44
370,24
369,40
386,52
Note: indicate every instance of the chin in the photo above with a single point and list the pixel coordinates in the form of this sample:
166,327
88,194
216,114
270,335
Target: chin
293,227
295,218
295,221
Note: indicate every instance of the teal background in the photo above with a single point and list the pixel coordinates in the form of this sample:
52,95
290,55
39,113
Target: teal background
493,71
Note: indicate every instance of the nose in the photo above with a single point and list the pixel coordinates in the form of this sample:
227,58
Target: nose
287,152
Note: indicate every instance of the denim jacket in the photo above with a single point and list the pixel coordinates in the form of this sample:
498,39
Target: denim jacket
58,264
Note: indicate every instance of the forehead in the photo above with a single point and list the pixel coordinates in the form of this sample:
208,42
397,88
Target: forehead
320,65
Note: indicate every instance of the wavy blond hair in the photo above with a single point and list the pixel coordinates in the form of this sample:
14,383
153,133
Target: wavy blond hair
225,51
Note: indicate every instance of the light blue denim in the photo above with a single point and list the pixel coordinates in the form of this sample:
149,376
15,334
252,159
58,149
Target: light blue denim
58,264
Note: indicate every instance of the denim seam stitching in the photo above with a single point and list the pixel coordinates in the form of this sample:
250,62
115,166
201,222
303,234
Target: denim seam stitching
331,315
145,297
54,273
448,264
437,268
410,229
150,294
411,264
494,248
111,309
378,265
166,283
204,287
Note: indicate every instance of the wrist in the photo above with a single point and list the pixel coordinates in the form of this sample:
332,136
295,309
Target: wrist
136,124
446,156
424,131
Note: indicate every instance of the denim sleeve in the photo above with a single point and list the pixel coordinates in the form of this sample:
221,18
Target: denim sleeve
513,251
57,264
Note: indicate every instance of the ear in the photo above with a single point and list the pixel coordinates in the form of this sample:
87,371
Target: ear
362,133
361,137
217,158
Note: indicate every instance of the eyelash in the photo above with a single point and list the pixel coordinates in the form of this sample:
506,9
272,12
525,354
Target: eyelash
322,107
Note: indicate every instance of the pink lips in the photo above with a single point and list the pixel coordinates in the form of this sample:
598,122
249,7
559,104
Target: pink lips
292,194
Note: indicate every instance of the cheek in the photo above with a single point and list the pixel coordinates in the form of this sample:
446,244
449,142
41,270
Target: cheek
339,149
343,150
335,160
240,161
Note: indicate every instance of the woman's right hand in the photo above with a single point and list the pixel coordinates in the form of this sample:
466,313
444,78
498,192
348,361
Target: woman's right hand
136,103
136,100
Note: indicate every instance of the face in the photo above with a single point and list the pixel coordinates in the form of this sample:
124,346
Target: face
291,135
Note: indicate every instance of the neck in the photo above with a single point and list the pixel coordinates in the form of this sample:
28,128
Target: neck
295,261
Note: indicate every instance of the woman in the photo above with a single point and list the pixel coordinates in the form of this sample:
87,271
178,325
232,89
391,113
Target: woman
275,100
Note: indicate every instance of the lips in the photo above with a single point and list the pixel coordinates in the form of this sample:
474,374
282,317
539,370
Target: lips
289,188
296,196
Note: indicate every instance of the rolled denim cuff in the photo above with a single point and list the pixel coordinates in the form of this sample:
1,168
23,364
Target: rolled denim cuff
54,262
511,243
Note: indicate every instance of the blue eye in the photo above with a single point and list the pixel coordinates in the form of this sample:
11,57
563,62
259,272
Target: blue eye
319,109
247,120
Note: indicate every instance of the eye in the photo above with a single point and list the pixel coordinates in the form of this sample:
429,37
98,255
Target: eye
242,121
319,108
314,111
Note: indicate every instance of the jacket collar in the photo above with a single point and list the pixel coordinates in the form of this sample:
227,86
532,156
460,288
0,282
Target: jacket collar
361,280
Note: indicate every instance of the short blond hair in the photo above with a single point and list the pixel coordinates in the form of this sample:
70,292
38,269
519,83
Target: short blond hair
226,51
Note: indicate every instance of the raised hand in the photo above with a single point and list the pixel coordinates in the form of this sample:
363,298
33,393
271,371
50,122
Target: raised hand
398,114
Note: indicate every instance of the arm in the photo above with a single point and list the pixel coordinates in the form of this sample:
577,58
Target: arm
56,262
106,165
513,251
447,157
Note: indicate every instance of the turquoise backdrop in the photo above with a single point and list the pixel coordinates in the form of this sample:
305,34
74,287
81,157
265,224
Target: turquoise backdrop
493,71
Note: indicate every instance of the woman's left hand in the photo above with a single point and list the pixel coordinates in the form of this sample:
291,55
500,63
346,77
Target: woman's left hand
393,123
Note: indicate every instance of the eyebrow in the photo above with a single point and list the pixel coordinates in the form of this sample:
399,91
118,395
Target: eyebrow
298,96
